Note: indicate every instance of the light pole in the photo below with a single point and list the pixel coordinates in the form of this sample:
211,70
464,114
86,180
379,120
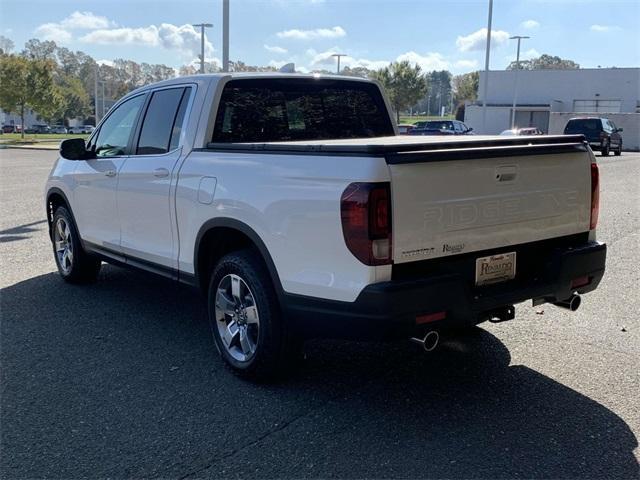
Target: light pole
102,82
225,35
202,27
515,85
486,70
338,55
95,96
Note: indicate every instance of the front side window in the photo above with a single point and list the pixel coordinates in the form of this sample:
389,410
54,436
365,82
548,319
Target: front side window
114,134
272,110
162,122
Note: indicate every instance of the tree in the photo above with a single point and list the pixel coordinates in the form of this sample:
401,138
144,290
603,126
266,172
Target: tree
545,62
74,100
28,84
404,84
38,50
362,72
6,45
465,87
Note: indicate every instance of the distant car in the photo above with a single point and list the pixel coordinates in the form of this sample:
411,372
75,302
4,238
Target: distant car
601,133
82,129
38,129
404,129
523,131
12,128
441,127
58,129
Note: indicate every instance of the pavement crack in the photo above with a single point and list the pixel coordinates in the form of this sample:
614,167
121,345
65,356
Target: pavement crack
254,442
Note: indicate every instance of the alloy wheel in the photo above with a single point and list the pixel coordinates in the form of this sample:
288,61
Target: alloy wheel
237,319
63,245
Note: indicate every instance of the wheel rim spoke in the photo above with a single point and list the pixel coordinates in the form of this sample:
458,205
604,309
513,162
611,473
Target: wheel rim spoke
60,246
245,343
252,315
224,303
235,288
230,332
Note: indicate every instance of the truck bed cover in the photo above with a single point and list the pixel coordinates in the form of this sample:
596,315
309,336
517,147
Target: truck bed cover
409,149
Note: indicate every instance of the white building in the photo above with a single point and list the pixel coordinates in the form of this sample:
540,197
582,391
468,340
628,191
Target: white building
548,98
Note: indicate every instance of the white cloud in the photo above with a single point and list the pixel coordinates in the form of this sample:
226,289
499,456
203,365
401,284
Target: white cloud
477,40
53,31
85,21
184,39
466,64
428,62
326,60
603,28
61,31
530,24
334,32
275,49
531,53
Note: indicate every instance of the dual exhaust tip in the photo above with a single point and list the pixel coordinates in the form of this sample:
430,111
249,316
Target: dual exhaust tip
432,338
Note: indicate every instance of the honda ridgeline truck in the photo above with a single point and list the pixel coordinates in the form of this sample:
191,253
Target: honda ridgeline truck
292,203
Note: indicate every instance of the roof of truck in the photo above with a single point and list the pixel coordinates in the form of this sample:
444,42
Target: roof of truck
216,77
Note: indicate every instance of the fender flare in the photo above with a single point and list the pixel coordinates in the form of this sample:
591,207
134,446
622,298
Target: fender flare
251,234
57,191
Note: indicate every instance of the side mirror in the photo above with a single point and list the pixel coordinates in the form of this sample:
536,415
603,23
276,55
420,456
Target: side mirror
619,129
75,149
470,129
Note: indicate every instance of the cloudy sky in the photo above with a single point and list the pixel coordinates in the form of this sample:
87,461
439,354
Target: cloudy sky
434,34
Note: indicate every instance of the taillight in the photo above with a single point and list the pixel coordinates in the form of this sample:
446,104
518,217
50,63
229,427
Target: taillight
366,221
595,196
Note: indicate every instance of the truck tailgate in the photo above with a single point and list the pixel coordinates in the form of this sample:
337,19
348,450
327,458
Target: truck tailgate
456,205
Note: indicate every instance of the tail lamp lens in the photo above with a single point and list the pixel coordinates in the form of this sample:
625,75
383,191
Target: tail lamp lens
366,222
595,195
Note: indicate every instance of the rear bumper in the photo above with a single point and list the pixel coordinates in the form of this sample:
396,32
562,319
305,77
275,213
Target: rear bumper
389,309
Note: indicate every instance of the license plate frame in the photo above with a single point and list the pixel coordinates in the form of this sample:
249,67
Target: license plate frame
496,268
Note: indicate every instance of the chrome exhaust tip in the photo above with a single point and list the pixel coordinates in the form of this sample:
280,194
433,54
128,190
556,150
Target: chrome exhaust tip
429,342
572,303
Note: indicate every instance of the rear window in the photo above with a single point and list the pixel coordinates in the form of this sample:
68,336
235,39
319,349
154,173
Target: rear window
272,110
584,125
439,126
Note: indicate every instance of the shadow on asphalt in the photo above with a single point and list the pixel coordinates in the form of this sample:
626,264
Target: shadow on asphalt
120,379
21,232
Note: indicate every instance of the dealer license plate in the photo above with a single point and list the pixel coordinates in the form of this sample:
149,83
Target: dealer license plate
496,268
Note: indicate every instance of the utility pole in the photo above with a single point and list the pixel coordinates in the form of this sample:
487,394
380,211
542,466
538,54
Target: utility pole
225,35
102,82
515,85
486,70
95,95
202,27
338,55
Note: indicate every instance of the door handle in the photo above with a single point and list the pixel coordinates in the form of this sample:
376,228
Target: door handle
110,173
161,172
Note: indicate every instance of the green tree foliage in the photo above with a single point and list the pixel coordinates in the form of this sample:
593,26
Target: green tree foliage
28,84
465,87
404,84
545,62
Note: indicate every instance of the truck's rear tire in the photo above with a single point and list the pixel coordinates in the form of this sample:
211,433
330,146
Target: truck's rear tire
74,264
248,328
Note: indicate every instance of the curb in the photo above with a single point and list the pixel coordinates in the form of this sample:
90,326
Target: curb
28,147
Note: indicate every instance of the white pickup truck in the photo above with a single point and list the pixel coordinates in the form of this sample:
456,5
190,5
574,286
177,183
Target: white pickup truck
293,204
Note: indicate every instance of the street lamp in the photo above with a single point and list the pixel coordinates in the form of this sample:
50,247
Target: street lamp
338,55
202,27
486,70
515,86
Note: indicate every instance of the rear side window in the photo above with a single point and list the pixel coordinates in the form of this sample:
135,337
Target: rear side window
162,122
585,126
272,110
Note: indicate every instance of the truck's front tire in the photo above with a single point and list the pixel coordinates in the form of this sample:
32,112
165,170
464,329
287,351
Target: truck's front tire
246,322
74,264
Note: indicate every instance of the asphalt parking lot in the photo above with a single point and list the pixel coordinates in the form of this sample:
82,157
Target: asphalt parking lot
120,379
